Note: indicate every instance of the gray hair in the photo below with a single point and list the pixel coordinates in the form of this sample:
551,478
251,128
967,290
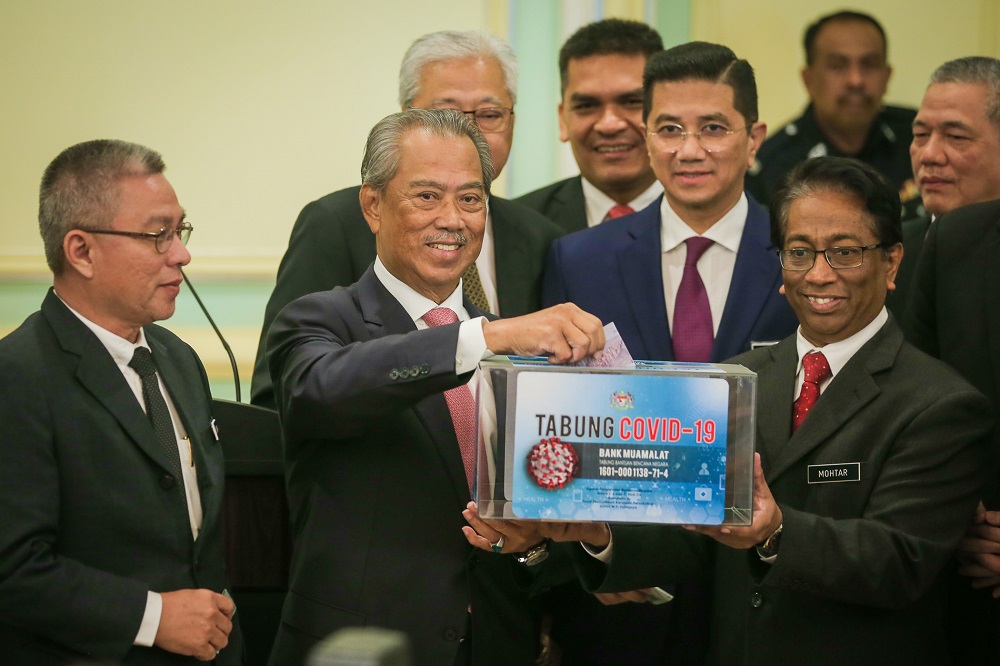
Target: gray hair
977,70
80,188
454,45
381,160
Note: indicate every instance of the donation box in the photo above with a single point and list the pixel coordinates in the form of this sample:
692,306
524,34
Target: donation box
667,443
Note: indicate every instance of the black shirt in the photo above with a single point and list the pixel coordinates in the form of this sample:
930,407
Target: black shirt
887,149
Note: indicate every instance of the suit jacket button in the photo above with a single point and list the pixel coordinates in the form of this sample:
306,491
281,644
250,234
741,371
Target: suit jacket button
424,369
756,599
167,482
404,373
414,371
394,374
450,634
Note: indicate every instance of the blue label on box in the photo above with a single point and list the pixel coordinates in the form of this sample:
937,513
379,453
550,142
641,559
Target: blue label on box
620,448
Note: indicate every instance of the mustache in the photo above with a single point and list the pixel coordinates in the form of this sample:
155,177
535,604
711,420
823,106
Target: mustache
448,238
854,94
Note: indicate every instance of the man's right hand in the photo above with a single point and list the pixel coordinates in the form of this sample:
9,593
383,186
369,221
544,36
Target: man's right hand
564,333
194,623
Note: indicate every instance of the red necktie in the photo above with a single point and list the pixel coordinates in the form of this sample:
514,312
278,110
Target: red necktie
816,370
693,334
461,404
619,211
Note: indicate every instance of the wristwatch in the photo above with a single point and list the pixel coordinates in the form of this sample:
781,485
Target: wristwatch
534,555
770,546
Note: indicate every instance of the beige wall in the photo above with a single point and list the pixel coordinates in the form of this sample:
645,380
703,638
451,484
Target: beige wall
922,35
257,107
260,107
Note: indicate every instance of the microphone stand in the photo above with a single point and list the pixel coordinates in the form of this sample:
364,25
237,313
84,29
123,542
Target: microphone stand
225,345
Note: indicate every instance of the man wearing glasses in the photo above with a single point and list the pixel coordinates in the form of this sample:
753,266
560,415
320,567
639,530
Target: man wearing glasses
692,277
331,244
870,458
110,472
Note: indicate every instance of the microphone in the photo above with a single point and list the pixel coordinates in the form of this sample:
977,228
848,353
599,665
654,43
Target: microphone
225,345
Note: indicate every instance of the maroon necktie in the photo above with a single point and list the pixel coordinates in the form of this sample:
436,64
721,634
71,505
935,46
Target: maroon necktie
461,404
619,211
816,370
693,334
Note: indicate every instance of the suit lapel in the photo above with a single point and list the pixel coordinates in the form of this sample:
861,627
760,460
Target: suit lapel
756,278
640,265
775,390
848,392
571,213
183,394
992,294
509,250
98,373
385,316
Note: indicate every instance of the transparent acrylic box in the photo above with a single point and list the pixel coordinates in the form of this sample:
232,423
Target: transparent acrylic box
668,443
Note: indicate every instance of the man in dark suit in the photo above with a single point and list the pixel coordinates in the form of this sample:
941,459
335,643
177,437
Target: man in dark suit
600,115
953,316
365,379
330,244
111,542
701,119
956,138
842,572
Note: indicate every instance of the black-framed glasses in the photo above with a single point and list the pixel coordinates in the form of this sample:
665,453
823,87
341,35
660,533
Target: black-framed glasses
713,137
802,259
490,119
161,239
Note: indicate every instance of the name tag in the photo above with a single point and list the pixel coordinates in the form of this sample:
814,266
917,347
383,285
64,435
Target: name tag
835,473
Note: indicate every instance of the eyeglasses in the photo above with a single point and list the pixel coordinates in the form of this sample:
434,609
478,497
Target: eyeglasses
712,137
161,239
801,259
490,119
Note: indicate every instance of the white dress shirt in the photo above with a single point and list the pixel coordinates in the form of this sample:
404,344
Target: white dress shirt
837,353
471,342
715,266
599,204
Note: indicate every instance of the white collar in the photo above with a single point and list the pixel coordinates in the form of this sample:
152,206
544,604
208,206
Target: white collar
727,232
599,204
121,350
839,353
415,304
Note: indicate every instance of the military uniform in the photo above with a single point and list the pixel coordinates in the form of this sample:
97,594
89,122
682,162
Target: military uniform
887,150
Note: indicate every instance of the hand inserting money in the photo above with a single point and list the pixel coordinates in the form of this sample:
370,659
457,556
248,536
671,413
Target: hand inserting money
615,354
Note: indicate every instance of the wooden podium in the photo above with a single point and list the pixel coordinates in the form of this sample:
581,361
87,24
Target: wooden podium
257,539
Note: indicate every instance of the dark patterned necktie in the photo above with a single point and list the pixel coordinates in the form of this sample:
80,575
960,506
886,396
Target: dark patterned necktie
472,288
156,410
693,334
461,404
817,369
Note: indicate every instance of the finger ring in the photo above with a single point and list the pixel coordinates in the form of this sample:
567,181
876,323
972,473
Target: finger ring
498,546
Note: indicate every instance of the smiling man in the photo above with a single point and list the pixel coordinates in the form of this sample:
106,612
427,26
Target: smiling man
692,277
600,115
111,480
846,75
330,245
371,384
870,459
